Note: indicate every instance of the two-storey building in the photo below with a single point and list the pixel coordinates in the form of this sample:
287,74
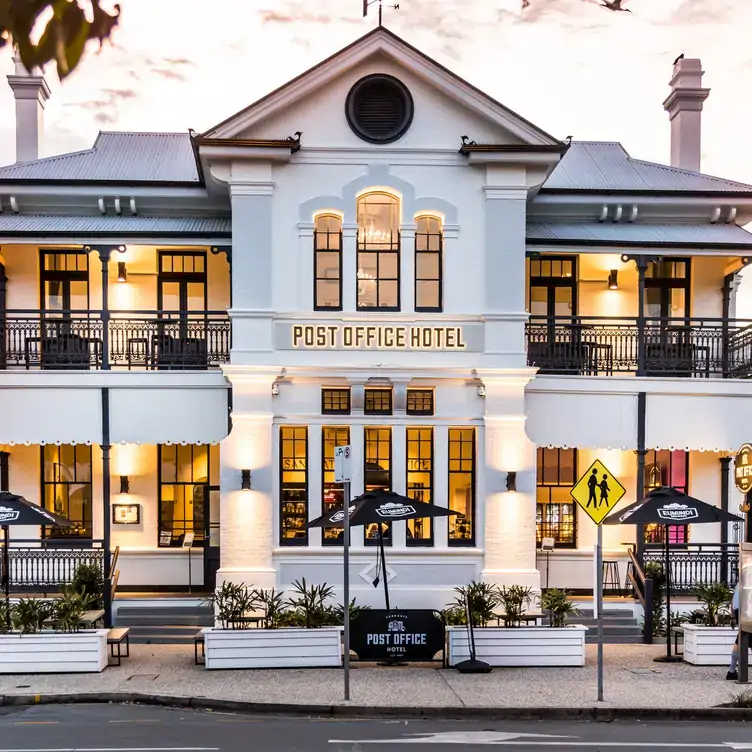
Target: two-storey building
375,254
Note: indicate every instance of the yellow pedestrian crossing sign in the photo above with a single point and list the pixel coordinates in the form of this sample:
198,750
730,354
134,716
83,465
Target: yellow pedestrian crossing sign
598,492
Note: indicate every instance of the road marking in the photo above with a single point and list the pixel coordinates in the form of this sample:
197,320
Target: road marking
34,723
458,737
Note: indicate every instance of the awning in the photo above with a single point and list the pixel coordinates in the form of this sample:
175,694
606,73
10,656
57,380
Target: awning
634,235
22,226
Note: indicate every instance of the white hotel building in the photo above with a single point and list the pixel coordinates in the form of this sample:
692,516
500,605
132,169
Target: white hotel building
379,254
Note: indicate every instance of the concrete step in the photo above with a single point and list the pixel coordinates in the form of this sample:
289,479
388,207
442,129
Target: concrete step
614,639
590,621
163,621
167,635
609,612
164,610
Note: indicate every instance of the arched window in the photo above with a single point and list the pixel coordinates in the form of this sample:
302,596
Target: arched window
378,252
327,257
429,244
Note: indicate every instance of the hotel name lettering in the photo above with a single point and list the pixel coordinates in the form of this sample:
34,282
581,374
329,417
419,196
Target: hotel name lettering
380,337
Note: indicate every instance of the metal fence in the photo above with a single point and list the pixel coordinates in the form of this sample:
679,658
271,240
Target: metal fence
151,340
697,564
595,346
36,566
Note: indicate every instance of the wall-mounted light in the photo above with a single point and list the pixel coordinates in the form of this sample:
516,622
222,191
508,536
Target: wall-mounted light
245,480
512,481
613,279
481,390
125,484
275,390
122,272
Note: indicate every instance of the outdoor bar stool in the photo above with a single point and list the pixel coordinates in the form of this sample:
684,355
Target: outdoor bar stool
627,581
611,577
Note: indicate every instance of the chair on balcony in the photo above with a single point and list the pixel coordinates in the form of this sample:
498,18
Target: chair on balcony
66,351
169,352
559,357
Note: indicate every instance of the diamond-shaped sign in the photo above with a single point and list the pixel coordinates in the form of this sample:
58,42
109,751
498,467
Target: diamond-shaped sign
598,492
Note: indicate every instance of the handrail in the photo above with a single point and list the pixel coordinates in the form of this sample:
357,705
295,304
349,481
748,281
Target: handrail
114,560
643,587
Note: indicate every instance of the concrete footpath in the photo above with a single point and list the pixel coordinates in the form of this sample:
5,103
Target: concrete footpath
167,674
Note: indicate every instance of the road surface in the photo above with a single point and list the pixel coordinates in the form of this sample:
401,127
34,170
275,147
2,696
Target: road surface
124,728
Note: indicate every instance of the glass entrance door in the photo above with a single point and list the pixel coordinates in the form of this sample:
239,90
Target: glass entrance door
555,342
181,298
669,350
66,339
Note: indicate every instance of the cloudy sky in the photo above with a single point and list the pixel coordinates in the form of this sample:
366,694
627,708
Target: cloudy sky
568,65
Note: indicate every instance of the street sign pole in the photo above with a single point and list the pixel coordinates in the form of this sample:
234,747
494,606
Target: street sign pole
597,492
346,551
599,605
342,474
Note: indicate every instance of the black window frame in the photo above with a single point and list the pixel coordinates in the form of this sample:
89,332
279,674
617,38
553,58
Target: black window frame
302,540
200,532
430,394
551,281
427,251
328,249
79,532
391,246
665,285
327,466
560,483
62,276
328,390
370,392
420,493
388,533
470,541
655,535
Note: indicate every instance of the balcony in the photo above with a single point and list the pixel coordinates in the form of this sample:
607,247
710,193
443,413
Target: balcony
133,340
600,346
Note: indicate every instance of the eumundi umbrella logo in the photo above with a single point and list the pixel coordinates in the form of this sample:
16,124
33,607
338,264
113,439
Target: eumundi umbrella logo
677,512
8,515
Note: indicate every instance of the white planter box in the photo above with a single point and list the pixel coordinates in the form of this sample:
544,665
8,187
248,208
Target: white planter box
522,646
708,646
273,648
54,652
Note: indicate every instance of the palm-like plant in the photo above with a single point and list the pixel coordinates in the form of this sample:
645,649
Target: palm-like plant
559,605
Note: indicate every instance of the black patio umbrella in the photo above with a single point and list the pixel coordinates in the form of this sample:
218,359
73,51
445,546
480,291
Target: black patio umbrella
667,506
380,507
15,510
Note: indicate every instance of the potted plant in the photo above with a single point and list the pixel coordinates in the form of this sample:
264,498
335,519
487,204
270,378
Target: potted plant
558,605
45,637
513,644
261,629
709,639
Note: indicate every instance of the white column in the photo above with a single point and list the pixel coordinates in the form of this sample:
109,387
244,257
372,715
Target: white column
510,548
315,470
505,242
407,268
307,272
440,484
349,268
399,479
248,526
251,194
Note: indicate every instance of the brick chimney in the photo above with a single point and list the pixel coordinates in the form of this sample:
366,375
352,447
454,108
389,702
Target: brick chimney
31,92
684,107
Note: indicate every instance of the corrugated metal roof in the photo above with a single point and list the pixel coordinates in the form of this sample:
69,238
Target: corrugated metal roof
615,233
117,157
605,166
45,223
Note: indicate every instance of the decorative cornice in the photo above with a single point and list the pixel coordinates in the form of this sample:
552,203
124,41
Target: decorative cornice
469,147
291,142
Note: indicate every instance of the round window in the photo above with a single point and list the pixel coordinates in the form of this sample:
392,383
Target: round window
379,109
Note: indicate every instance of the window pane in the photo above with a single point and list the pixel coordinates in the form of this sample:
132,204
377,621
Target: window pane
377,473
293,485
335,401
388,266
327,265
327,294
66,488
427,294
389,294
427,266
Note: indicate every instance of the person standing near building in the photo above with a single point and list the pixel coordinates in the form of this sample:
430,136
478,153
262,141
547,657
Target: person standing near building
732,674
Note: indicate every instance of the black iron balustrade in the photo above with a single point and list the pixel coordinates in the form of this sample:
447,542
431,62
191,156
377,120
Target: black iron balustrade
153,340
599,346
42,566
696,564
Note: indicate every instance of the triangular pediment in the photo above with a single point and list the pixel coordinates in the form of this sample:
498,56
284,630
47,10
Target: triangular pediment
381,48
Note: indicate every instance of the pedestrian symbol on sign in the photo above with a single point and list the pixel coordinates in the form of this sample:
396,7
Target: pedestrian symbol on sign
598,491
